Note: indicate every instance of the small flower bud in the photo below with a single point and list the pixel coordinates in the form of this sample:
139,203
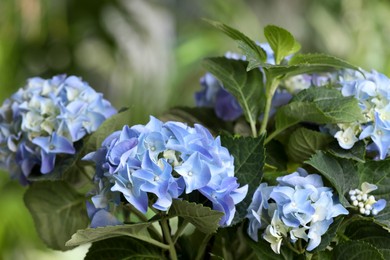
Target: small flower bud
353,198
362,210
364,197
352,192
361,205
355,203
359,197
368,207
374,212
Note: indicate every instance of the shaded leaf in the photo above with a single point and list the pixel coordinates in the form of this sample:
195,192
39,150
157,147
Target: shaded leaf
368,231
340,172
304,142
276,155
357,152
246,87
203,218
263,251
254,54
121,248
323,255
318,105
356,250
58,211
249,157
281,41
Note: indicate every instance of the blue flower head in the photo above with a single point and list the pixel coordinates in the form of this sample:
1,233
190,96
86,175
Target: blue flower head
45,119
298,207
166,160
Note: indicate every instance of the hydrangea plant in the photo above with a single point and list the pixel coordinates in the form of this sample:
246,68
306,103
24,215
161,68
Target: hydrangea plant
285,156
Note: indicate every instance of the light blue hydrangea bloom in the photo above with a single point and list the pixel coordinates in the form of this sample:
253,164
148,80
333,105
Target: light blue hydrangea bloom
46,118
298,207
167,160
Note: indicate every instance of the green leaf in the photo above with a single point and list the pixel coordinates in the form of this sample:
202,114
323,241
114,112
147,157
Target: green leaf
58,211
249,158
203,218
357,152
254,54
263,251
367,231
328,237
307,63
304,142
321,60
323,255
123,248
138,231
276,155
340,172
318,105
356,250
281,41
378,173
246,87
112,124
231,243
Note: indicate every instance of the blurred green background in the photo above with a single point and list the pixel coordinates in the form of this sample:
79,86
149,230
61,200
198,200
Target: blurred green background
147,54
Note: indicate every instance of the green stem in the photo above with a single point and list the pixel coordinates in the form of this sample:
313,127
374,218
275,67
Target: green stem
292,248
202,247
180,230
271,136
167,236
273,85
153,242
342,236
143,218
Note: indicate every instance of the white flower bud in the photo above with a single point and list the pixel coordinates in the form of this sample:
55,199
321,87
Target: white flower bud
353,198
362,210
359,197
352,192
367,212
355,203
361,205
364,197
368,207
374,212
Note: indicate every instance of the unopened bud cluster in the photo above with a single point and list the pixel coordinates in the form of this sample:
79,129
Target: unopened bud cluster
363,202
367,204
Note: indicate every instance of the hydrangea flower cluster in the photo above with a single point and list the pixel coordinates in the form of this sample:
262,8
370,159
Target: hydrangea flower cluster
366,204
43,120
165,159
299,207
